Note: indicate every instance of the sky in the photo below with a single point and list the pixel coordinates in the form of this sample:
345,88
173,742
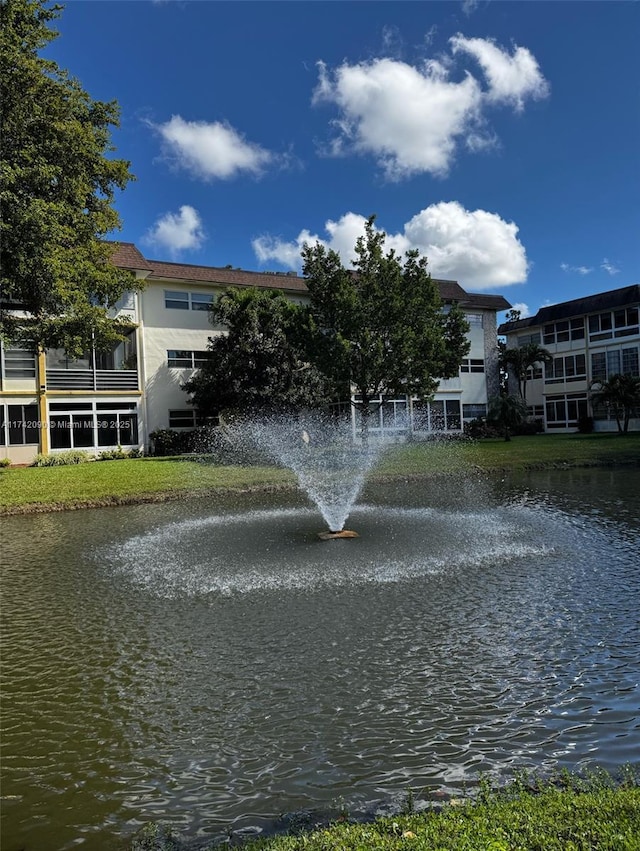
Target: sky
500,139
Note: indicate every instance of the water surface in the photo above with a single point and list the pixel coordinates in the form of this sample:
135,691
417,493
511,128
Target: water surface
215,665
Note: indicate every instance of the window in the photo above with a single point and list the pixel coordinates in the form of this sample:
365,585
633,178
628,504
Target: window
577,329
19,425
600,326
201,301
472,365
125,302
117,428
178,300
525,339
620,323
567,368
452,409
613,362
188,418
473,318
565,411
534,372
185,359
630,362
18,363
91,425
563,331
472,412
626,318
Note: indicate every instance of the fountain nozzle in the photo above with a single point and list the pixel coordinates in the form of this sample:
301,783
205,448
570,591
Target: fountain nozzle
340,533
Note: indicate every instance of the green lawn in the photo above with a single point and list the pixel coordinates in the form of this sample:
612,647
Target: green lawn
551,821
594,816
110,482
106,482
520,453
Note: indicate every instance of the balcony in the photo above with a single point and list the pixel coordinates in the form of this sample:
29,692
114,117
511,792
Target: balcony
92,379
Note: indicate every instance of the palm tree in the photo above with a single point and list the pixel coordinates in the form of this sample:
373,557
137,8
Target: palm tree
620,394
519,361
507,412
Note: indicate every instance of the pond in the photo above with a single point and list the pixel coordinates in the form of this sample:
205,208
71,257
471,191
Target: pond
214,665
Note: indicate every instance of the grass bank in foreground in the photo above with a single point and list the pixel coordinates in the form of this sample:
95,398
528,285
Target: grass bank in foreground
570,816
154,479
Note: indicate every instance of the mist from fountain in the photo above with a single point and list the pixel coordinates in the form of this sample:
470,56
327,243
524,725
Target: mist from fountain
320,449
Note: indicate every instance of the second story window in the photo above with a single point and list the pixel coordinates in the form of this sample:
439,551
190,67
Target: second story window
186,359
201,301
178,300
568,368
472,365
18,363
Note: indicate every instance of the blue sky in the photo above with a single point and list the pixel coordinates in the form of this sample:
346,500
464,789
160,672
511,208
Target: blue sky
499,138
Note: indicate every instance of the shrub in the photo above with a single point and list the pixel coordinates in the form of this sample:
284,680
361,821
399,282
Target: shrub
480,428
167,441
62,459
5,462
112,454
585,425
118,454
530,427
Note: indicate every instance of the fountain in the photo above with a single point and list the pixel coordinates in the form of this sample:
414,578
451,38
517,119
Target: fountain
320,450
206,663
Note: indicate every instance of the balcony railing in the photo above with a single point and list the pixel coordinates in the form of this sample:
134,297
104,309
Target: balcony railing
89,379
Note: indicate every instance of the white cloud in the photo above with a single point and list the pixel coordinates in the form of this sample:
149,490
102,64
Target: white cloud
477,248
176,232
412,119
580,270
511,79
213,151
469,6
409,118
609,267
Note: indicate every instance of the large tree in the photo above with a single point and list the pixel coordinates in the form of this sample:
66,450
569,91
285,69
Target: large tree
259,365
58,186
381,327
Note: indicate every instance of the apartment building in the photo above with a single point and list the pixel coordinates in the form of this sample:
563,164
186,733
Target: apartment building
50,403
590,339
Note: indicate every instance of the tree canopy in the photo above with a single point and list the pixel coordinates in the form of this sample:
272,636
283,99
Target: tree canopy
620,394
519,361
381,327
58,183
259,366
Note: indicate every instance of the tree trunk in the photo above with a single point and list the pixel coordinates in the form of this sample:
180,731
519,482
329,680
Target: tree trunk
364,417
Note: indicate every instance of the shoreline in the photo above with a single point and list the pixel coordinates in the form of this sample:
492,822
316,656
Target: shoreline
160,497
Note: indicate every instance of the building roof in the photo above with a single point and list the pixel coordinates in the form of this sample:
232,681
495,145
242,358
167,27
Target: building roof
609,300
127,256
487,302
227,277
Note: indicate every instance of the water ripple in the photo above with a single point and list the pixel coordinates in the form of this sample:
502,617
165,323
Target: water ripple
217,670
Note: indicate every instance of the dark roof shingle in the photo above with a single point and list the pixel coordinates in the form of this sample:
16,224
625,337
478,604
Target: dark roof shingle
609,300
128,256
